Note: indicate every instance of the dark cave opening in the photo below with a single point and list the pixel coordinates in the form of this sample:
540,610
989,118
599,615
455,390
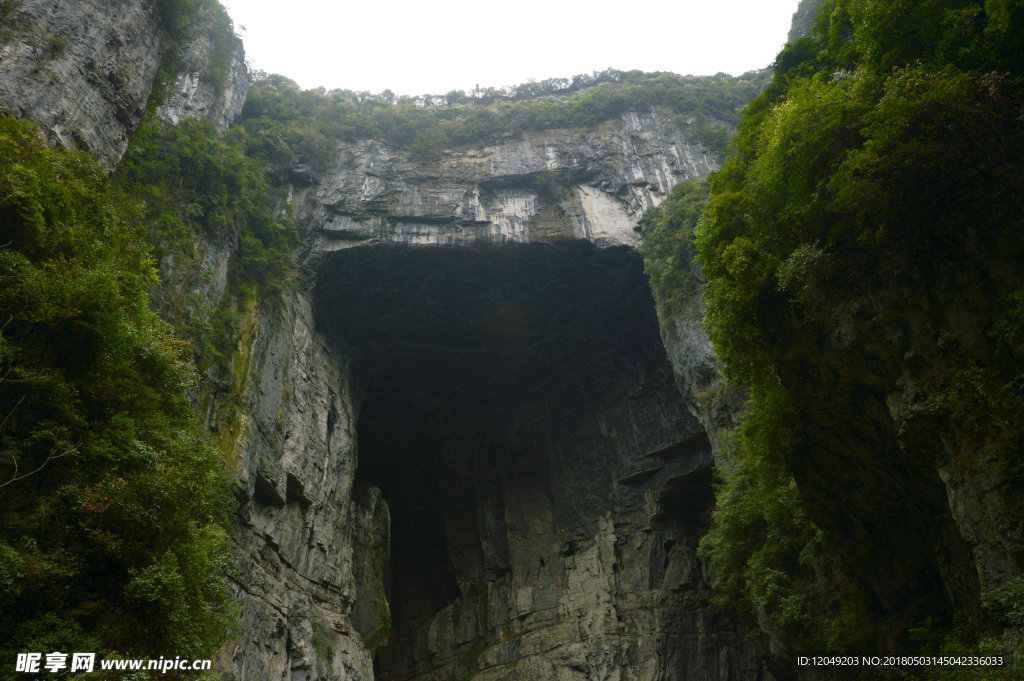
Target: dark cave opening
476,365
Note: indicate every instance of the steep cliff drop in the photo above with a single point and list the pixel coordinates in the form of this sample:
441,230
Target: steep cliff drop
458,447
546,483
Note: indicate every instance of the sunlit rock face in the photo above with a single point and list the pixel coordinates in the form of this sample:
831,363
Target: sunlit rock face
585,184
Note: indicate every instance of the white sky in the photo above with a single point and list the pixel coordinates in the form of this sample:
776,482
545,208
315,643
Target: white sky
431,47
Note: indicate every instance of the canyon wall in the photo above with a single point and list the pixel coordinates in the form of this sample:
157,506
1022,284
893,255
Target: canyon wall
485,405
458,446
85,70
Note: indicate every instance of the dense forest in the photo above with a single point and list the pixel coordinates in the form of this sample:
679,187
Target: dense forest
866,234
114,505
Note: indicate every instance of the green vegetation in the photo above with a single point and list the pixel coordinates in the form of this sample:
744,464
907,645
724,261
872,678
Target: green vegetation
287,125
668,249
182,19
193,191
111,501
880,175
764,553
766,557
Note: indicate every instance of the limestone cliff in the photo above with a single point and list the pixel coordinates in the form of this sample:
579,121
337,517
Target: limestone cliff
590,184
484,332
458,447
211,78
85,70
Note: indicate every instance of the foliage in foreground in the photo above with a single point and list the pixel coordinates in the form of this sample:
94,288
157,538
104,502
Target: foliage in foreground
668,249
111,502
194,190
889,141
768,560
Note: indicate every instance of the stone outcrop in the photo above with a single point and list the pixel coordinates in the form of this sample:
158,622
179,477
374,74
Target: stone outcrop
492,475
84,70
551,185
879,466
204,89
294,439
522,441
463,448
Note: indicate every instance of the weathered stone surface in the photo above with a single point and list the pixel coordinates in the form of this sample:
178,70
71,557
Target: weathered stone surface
591,184
371,549
544,522
574,555
84,69
195,93
293,436
866,364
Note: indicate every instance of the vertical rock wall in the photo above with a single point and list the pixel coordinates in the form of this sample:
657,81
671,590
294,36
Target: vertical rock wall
547,483
570,535
291,426
563,536
84,70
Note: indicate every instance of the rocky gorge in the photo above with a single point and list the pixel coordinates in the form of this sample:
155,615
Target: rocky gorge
478,362
459,450
467,441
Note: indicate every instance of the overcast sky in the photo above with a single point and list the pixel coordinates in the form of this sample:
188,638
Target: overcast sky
434,46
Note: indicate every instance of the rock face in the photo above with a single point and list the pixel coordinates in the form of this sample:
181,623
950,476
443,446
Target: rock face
295,440
84,69
198,91
529,484
551,185
459,451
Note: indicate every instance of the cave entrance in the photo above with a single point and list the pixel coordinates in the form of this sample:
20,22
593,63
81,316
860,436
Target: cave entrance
482,370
